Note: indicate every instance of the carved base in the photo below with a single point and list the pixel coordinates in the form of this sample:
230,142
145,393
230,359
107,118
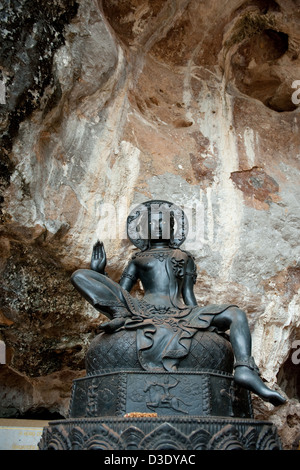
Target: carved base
189,393
197,407
161,433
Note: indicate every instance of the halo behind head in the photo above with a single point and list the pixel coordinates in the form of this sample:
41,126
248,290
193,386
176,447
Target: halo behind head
175,227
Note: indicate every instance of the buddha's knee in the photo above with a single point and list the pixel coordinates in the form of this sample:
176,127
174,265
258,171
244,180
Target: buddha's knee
79,276
237,315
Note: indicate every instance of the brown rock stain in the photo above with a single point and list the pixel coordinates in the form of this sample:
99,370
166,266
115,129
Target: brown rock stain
286,283
258,187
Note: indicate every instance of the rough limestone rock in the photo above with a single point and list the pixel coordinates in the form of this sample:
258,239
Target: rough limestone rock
105,104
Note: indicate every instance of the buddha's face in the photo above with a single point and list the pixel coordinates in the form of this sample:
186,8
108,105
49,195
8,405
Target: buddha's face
156,221
159,226
155,225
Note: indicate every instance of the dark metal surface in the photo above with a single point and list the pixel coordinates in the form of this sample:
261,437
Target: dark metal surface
201,393
171,433
163,354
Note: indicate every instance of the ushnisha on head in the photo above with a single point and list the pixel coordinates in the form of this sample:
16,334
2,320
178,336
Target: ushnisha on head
157,221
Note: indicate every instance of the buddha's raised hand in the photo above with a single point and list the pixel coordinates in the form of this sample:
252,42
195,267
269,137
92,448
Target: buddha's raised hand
98,261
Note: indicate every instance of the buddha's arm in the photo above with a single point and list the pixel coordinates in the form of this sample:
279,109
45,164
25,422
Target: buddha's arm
188,285
129,277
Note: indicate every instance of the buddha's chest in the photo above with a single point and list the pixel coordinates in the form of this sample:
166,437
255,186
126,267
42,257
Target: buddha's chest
160,262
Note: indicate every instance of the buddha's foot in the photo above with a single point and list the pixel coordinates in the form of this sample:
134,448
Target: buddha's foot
248,378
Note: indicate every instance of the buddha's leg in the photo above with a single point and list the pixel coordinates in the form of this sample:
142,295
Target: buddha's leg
246,373
100,291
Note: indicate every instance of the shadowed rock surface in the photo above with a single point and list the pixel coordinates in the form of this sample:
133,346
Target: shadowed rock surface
107,104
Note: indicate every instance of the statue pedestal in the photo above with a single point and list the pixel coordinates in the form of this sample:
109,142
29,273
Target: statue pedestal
160,377
189,393
161,433
191,409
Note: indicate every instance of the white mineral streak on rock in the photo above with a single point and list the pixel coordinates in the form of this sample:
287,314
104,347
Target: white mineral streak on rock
111,226
271,337
210,217
249,141
98,174
86,141
225,215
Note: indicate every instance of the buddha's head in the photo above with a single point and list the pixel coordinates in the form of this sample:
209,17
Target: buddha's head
157,222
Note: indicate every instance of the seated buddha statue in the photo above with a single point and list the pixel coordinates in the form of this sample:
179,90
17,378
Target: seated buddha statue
168,316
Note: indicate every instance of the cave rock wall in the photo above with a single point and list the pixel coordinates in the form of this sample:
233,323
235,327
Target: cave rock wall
105,104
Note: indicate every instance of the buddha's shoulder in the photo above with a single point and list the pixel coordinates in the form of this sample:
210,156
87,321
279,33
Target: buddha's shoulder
161,254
